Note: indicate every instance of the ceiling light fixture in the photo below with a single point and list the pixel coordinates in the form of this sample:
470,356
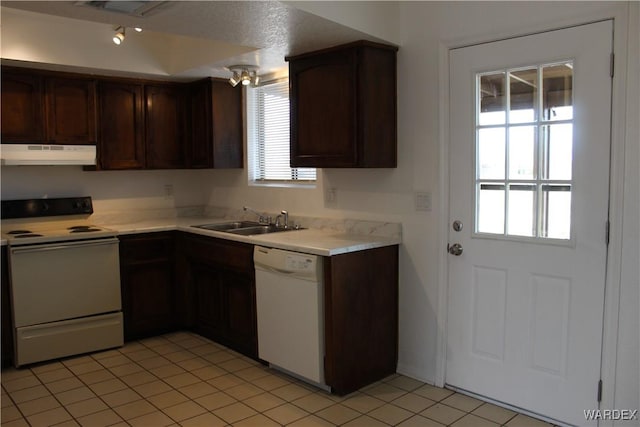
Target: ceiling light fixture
119,37
245,74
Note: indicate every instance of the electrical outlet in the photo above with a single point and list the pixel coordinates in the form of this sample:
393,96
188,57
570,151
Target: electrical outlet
331,195
423,201
168,191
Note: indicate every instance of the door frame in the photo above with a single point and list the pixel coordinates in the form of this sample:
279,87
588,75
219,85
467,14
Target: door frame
618,14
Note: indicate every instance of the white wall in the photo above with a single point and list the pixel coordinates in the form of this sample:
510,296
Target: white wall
379,20
110,190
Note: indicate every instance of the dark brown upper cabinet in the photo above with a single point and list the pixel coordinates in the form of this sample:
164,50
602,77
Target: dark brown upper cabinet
22,107
135,123
71,110
49,108
121,134
165,126
216,125
343,107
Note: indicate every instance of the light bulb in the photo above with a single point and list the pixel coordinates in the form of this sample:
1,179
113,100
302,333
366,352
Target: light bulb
245,78
235,79
138,29
119,37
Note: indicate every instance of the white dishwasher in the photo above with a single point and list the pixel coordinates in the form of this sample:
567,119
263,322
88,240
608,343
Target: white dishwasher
289,299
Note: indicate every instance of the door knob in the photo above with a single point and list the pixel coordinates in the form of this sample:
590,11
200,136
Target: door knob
455,249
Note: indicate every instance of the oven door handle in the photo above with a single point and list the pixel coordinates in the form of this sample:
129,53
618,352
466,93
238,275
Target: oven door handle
67,245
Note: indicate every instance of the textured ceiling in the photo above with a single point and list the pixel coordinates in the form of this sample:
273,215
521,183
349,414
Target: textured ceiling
272,28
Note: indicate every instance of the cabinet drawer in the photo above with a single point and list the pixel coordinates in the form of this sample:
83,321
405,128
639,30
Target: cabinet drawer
224,252
141,248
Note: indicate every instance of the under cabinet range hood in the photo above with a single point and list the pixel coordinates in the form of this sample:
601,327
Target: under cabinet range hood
37,154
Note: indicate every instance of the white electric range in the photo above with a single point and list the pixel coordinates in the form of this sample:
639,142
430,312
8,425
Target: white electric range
65,279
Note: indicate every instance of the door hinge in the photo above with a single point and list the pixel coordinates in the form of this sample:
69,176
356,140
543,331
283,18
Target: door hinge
607,231
600,391
612,64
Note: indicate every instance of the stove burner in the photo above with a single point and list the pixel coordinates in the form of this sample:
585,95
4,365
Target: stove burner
29,234
84,230
20,232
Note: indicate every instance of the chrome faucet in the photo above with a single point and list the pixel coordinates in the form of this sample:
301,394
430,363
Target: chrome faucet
285,216
262,219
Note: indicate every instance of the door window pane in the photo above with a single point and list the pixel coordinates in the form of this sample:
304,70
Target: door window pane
491,209
492,99
523,95
557,85
557,151
556,211
522,153
491,153
522,210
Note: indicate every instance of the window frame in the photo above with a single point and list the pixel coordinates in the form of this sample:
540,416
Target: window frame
538,181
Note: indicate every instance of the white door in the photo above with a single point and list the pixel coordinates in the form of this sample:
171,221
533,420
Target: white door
529,177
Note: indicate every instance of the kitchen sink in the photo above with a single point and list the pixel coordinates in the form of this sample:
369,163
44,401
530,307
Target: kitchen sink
261,229
227,226
244,228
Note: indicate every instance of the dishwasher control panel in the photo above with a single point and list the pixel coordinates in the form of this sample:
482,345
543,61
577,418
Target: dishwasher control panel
291,263
299,262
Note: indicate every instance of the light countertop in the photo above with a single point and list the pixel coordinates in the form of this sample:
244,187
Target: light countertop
317,241
312,241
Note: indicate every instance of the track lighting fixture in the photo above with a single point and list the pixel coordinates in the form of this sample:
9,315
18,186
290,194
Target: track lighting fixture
119,36
245,74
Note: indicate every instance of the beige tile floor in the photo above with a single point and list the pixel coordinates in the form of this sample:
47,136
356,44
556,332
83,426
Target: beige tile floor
184,379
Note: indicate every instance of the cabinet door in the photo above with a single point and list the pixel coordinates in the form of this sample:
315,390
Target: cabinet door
165,127
22,107
241,312
71,111
121,135
209,303
226,110
148,299
201,138
216,125
147,279
323,110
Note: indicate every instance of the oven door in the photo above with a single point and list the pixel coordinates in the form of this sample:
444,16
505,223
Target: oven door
66,299
62,281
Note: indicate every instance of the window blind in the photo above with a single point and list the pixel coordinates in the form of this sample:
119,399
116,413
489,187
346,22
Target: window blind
268,130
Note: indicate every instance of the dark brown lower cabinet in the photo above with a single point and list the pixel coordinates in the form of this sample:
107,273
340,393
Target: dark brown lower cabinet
7,328
148,284
361,318
207,285
220,282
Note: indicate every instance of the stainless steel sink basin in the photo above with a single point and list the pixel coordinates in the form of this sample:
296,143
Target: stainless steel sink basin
260,229
226,226
244,228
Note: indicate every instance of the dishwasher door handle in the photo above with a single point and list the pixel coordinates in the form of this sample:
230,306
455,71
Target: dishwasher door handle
275,270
